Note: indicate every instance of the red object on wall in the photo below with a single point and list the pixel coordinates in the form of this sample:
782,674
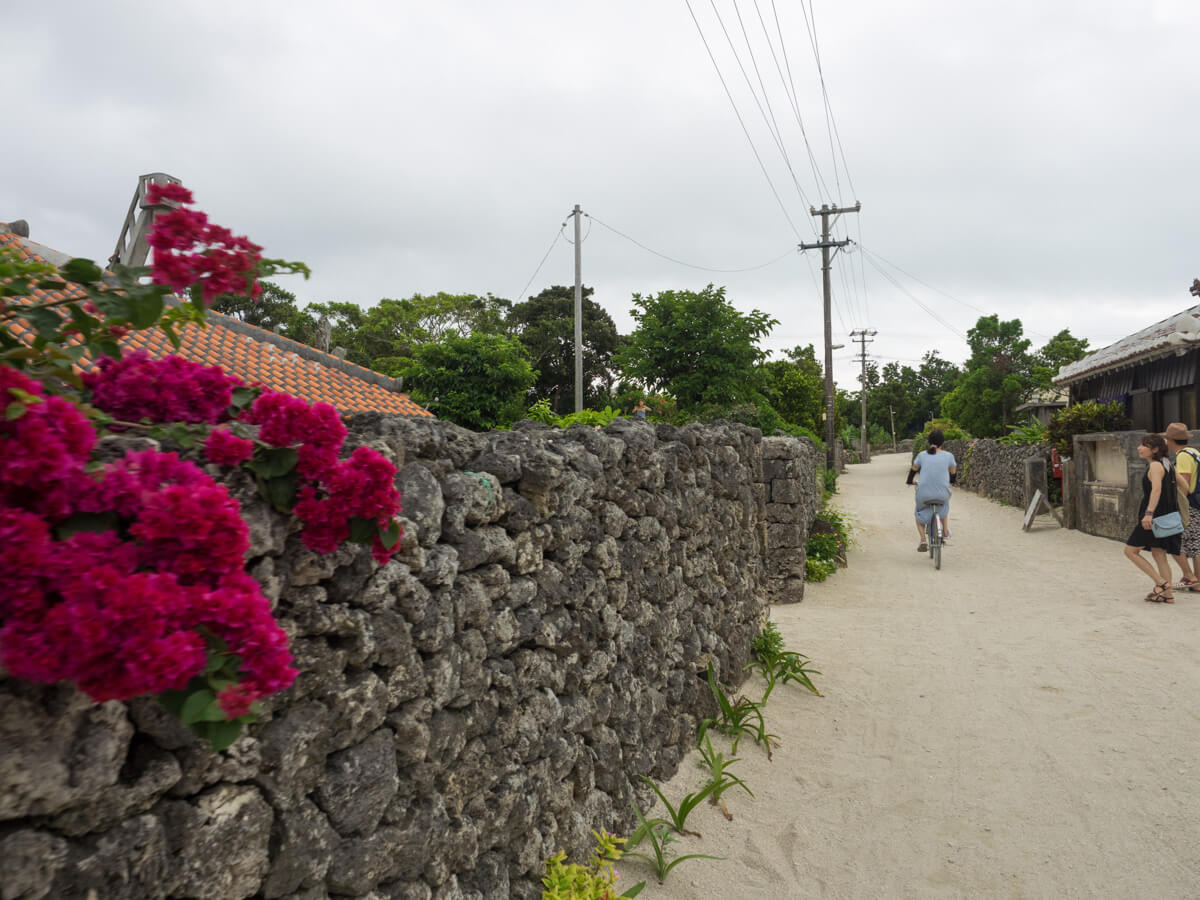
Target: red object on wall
1055,464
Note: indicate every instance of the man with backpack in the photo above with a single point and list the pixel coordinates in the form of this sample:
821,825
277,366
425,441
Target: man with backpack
1187,467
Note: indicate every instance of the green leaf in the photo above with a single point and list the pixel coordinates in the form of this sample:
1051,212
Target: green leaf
145,309
273,462
46,322
94,522
390,535
196,293
199,707
82,271
14,411
362,531
172,701
169,330
244,396
219,734
281,491
635,890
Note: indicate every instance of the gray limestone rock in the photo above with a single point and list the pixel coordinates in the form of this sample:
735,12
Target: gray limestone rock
359,783
230,824
58,748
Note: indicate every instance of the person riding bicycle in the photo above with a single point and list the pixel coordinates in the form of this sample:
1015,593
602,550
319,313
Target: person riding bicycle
938,471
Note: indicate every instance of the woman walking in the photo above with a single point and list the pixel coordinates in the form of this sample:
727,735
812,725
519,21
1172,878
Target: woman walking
1158,498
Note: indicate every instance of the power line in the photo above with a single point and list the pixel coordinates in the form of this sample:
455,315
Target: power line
789,89
745,130
927,310
558,234
982,312
770,262
771,123
830,122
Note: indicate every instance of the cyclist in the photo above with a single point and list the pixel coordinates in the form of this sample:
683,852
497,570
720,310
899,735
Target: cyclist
938,471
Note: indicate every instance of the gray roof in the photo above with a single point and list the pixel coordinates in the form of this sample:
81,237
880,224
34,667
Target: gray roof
1173,336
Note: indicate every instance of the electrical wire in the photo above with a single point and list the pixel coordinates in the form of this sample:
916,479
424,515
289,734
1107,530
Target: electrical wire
741,122
971,306
933,315
587,234
789,88
769,114
559,234
810,20
680,262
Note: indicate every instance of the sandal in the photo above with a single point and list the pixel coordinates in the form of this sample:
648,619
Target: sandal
1160,594
922,547
1187,584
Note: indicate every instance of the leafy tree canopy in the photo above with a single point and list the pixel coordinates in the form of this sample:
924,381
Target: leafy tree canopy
479,381
545,325
998,376
696,346
274,310
1060,350
795,387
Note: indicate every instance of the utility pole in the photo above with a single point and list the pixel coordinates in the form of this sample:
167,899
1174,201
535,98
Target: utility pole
578,315
824,246
892,415
861,337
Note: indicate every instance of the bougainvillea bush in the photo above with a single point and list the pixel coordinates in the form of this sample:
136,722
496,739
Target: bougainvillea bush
129,578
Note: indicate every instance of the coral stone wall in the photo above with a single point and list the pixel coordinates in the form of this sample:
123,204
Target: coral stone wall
485,699
995,470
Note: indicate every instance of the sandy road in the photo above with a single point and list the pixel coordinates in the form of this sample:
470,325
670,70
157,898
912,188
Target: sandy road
1019,724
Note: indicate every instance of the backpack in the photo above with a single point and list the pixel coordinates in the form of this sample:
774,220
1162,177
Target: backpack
1192,498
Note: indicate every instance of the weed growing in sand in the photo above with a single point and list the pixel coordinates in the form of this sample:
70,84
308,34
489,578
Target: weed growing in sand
776,663
715,763
734,718
676,815
660,836
593,881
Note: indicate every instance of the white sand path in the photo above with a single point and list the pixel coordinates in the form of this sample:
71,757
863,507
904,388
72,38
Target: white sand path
1020,724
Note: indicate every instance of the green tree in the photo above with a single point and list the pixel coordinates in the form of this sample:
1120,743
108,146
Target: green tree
385,336
479,381
275,310
894,399
696,346
545,325
998,376
1060,350
795,387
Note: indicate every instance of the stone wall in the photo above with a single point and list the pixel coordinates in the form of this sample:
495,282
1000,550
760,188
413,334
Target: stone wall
995,470
482,701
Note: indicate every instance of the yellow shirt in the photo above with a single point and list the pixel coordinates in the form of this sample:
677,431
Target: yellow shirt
1186,464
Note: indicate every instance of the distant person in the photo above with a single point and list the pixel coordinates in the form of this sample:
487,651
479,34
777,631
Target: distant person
640,410
938,470
1187,464
1158,498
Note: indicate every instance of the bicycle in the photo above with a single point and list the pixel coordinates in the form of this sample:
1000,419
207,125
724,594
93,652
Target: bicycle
935,532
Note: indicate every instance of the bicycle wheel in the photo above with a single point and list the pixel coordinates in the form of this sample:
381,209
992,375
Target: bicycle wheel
935,545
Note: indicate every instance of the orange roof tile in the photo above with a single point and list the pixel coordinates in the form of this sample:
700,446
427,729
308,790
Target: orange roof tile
252,354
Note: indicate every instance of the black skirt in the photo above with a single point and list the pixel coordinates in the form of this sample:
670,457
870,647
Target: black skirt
1144,538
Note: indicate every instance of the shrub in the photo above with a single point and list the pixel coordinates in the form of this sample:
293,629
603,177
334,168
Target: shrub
1033,432
1088,417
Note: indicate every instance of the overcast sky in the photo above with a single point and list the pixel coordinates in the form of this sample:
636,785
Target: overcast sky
1039,159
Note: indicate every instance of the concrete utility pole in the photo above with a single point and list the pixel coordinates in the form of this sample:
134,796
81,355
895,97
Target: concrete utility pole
892,415
578,315
824,246
861,337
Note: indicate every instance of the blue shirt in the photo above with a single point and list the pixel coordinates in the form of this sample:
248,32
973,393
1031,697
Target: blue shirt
934,472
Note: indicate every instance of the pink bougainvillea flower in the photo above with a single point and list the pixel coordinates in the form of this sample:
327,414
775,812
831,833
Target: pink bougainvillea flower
225,448
171,389
190,251
43,451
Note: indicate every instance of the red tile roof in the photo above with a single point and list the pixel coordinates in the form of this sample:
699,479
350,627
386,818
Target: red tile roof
252,354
